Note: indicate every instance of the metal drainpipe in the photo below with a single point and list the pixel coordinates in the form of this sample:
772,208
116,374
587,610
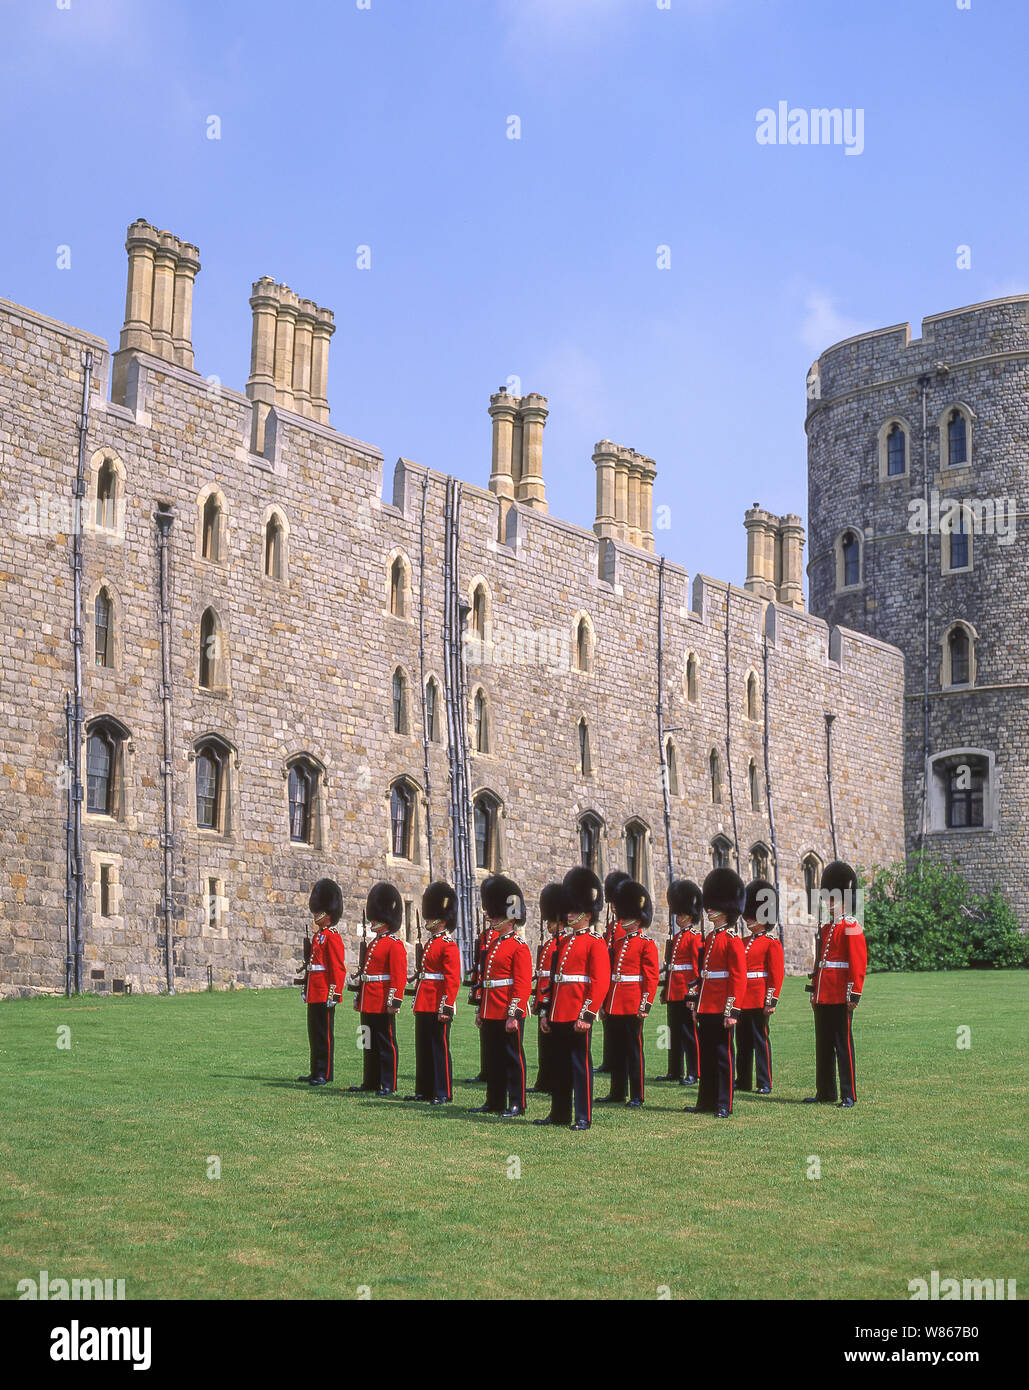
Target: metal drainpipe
421,661
768,788
728,747
454,695
923,383
660,714
69,853
164,518
77,869
828,778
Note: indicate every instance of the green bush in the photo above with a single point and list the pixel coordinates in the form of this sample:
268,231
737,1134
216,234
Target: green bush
923,916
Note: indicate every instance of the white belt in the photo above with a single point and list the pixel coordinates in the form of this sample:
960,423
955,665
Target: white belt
757,974
313,968
544,975
681,967
834,964
574,979
715,974
492,984
374,979
626,979
433,977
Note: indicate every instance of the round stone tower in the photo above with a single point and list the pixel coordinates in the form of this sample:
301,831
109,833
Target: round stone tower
918,487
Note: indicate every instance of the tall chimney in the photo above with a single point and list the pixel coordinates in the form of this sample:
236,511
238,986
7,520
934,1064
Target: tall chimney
791,540
289,355
605,456
503,410
529,489
158,301
648,472
761,536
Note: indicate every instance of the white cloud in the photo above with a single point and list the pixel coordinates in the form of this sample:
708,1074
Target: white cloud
823,324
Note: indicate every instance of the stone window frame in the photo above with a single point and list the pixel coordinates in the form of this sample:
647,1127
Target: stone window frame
750,678
814,858
217,929
275,512
694,698
946,683
717,842
582,722
646,842
499,838
405,720
221,673
477,693
754,785
398,554
673,773
579,618
945,566
228,790
590,814
203,496
760,848
943,423
441,723
841,587
122,772
96,463
714,777
479,581
318,818
937,802
418,811
100,859
114,632
882,449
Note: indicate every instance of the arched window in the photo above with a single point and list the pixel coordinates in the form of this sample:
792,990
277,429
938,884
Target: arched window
636,865
303,789
480,713
896,451
691,682
103,634
753,708
106,496
811,867
399,702
583,646
585,764
671,768
402,813
760,861
479,612
485,815
590,829
432,710
754,785
957,439
957,549
398,588
274,546
960,795
101,770
721,853
850,547
211,535
211,777
211,666
715,767
959,647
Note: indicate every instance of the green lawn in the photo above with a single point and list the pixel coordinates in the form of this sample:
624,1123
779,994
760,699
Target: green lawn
104,1153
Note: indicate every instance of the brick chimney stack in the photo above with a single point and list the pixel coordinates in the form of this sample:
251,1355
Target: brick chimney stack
158,300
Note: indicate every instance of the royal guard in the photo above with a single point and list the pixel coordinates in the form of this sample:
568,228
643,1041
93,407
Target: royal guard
634,985
380,990
578,987
325,977
613,933
841,959
716,1000
435,997
766,969
506,988
484,939
686,904
554,916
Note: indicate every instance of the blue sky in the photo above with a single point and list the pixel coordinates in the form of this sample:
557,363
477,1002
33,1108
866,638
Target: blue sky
387,126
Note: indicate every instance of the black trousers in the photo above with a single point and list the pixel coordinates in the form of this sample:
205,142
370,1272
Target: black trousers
753,1046
380,1056
505,1064
545,1065
321,1037
433,1069
683,1046
605,1046
717,1063
834,1050
572,1074
626,1034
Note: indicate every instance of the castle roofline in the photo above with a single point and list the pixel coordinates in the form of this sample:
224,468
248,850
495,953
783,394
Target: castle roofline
905,328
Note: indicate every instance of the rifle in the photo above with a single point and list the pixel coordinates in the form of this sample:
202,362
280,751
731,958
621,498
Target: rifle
302,979
354,984
539,960
669,953
419,956
475,979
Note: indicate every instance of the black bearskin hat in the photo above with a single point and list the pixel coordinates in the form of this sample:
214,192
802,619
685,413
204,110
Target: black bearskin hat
554,903
761,904
839,877
585,892
614,878
326,896
724,892
501,897
385,905
632,903
685,899
439,904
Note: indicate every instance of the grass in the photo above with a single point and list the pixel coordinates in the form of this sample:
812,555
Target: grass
105,1148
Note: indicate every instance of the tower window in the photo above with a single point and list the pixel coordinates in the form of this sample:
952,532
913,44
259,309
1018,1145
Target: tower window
896,452
754,785
585,766
399,702
432,711
958,542
106,496
721,852
211,541
957,439
851,559
273,548
589,842
481,715
209,673
100,773
691,678
636,852
300,798
671,768
959,656
485,811
102,636
716,778
398,589
401,808
209,776
479,612
752,697
582,645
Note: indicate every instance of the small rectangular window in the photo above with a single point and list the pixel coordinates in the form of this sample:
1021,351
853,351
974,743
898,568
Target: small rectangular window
106,896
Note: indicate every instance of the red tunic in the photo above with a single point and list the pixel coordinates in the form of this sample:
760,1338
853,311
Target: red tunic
723,973
483,942
440,977
765,970
582,978
327,968
507,981
841,959
543,982
683,967
384,976
634,979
